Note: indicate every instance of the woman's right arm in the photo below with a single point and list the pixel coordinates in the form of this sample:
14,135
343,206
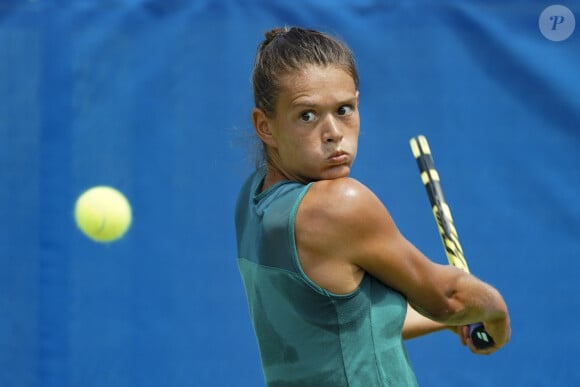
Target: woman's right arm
440,292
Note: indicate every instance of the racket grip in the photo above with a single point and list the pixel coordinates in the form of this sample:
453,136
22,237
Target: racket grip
479,337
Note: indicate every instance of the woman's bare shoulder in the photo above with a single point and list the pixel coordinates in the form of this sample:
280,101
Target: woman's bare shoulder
342,197
338,208
328,231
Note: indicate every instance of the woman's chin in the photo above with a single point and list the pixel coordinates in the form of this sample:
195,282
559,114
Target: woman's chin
336,172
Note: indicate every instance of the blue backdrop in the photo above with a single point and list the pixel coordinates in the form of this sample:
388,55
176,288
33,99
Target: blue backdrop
153,97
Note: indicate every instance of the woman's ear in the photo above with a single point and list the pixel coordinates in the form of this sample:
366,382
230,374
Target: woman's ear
262,126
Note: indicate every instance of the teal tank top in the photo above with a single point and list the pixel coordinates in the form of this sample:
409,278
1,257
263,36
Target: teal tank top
307,336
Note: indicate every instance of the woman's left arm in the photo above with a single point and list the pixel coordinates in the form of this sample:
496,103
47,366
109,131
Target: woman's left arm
418,325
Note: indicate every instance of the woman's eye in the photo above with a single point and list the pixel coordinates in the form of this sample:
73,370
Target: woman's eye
344,110
308,116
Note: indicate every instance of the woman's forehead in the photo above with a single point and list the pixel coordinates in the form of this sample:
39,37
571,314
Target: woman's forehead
314,79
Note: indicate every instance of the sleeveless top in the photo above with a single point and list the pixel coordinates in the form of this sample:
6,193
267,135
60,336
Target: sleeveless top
306,335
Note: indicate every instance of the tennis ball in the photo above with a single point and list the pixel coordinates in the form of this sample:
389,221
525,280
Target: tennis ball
103,214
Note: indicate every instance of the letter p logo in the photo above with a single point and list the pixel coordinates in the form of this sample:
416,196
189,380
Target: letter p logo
557,20
557,23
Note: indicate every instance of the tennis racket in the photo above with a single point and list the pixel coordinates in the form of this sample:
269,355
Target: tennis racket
442,213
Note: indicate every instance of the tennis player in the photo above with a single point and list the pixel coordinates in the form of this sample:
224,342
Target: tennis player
333,288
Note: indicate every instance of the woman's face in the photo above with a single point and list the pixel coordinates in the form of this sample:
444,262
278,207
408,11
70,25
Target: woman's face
314,131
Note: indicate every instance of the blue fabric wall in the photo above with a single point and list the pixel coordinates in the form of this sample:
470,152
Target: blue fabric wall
153,97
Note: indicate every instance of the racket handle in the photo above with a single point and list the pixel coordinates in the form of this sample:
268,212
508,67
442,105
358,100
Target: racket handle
480,338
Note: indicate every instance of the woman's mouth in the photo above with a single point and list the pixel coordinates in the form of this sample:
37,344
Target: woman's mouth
339,157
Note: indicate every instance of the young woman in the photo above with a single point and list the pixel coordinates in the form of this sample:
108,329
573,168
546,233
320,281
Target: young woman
328,276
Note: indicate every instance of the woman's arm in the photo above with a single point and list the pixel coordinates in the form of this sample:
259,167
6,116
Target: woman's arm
359,232
418,325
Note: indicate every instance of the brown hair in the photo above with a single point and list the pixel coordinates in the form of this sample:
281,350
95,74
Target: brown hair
290,49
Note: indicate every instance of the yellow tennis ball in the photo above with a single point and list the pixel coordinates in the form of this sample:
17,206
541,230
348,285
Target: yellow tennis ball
103,214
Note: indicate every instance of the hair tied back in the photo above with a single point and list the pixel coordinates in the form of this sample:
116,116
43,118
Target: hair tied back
272,34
